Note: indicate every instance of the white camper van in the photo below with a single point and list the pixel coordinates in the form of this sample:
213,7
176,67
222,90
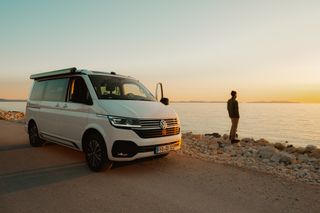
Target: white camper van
109,117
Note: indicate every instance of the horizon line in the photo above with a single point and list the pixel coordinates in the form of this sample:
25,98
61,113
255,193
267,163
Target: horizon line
190,101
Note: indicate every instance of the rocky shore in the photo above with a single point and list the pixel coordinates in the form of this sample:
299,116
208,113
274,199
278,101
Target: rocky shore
12,116
280,159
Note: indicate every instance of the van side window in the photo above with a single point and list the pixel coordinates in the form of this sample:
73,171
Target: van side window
56,90
78,91
37,90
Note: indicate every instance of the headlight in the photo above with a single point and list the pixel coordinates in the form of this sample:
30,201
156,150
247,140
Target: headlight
124,122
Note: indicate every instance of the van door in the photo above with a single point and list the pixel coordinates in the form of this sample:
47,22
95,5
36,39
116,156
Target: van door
51,114
76,111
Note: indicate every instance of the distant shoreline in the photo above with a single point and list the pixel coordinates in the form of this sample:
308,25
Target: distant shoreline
12,100
204,102
250,102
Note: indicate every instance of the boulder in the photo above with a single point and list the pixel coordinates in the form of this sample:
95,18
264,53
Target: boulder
286,158
196,137
275,158
262,142
266,152
249,152
310,148
315,153
279,146
247,140
300,150
283,157
303,158
225,137
290,149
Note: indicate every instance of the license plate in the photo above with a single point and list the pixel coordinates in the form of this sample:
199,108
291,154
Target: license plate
164,148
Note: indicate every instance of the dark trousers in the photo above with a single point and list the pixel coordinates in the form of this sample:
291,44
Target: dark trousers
234,128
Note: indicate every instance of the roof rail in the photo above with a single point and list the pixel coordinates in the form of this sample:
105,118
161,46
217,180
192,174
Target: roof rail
54,73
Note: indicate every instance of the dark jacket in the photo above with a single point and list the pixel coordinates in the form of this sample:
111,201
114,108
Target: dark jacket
233,108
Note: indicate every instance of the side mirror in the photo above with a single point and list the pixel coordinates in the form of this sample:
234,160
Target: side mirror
159,87
165,101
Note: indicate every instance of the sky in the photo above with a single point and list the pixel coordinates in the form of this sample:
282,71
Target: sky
199,50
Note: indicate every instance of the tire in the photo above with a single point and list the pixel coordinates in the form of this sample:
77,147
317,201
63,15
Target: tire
34,138
96,153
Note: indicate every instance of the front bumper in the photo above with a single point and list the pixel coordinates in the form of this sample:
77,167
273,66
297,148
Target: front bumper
129,149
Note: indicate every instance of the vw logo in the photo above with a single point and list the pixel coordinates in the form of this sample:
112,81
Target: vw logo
163,124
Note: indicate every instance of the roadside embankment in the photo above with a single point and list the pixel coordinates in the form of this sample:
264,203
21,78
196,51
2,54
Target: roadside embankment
12,116
280,159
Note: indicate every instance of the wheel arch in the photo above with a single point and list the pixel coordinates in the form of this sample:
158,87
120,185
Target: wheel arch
88,132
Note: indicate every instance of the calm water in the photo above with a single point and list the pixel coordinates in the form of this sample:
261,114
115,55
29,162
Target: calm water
297,123
13,106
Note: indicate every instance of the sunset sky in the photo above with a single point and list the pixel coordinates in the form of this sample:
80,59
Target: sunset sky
200,50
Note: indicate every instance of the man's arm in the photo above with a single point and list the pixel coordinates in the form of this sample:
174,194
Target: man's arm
236,109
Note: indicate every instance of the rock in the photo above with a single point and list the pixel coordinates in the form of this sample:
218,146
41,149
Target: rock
303,158
11,115
249,153
219,152
300,150
275,158
247,140
286,158
266,152
197,137
221,144
262,142
215,135
225,137
302,173
315,153
310,148
279,146
290,149
265,160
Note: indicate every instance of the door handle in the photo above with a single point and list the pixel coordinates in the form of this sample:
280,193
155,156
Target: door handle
57,105
65,106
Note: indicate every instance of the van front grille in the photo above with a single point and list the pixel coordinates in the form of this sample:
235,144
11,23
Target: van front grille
155,124
155,133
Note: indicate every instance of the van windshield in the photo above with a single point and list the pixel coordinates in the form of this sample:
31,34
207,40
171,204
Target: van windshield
108,87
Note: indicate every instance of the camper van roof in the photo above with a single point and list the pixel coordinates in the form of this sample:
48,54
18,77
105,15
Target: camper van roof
72,70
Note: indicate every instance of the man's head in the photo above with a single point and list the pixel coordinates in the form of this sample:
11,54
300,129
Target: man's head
233,94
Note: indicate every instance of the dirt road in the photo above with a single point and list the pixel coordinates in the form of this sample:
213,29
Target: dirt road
55,179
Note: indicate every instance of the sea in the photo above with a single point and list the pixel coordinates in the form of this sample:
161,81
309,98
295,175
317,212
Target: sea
295,123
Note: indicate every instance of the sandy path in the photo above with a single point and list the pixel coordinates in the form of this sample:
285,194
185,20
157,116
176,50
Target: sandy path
55,179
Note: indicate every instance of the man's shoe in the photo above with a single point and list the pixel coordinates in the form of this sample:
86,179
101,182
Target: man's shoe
235,141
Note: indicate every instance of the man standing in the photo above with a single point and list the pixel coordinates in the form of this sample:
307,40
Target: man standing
233,110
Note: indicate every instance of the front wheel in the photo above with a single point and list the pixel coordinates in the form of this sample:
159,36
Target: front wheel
34,138
96,153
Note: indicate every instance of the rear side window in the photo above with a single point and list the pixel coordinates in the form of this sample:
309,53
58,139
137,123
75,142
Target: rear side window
56,90
37,90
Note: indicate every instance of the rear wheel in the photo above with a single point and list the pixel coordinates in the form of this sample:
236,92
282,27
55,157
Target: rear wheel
34,138
96,153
